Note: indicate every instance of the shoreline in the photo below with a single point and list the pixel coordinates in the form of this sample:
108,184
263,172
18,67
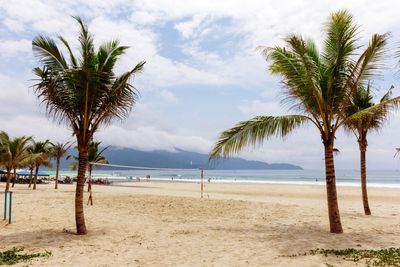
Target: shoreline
256,182
344,178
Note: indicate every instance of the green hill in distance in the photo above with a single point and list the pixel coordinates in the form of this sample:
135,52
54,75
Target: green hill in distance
182,159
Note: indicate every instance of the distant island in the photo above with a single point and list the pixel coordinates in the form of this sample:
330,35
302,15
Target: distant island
182,159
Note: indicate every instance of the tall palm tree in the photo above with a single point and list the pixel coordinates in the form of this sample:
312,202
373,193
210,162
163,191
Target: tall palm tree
319,86
83,93
13,153
361,100
94,156
42,151
59,150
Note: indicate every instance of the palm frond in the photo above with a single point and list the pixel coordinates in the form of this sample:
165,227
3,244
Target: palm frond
72,57
397,152
388,94
119,100
108,55
373,115
255,131
370,63
46,50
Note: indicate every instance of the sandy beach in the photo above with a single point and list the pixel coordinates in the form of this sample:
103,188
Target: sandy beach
167,224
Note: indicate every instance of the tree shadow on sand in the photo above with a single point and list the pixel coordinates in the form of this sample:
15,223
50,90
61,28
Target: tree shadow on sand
45,238
298,238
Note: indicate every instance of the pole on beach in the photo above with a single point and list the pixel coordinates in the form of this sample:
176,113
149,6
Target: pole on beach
202,183
5,206
9,208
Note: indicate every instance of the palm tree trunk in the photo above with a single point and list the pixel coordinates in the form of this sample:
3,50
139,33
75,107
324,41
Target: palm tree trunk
363,150
57,170
30,177
80,184
36,176
8,178
333,207
14,177
89,178
90,199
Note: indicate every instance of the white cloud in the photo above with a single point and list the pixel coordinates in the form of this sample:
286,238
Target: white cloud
190,27
257,108
15,48
13,25
168,96
150,138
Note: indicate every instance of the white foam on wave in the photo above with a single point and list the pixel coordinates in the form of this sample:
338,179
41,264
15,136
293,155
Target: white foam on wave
239,181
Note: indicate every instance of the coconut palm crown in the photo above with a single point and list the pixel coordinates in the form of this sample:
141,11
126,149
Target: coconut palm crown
13,153
318,86
83,92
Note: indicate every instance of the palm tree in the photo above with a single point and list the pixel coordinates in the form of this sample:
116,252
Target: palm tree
30,163
84,93
6,157
59,150
19,149
13,153
319,85
361,100
42,153
94,156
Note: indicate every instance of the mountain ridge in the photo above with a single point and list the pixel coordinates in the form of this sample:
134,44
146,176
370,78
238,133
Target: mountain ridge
182,159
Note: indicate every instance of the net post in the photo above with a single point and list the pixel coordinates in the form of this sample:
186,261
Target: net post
202,182
5,206
9,208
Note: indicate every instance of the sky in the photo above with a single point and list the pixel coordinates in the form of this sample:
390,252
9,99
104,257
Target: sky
203,72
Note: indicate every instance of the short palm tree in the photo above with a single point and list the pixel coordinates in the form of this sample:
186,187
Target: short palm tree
14,152
319,86
20,149
95,156
42,152
83,93
362,100
30,163
58,151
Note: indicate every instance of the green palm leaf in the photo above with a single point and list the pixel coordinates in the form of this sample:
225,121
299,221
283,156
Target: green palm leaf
255,131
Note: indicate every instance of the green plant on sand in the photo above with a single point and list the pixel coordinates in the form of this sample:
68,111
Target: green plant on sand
370,257
14,255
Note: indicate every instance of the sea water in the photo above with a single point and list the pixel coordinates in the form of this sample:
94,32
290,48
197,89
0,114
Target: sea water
375,178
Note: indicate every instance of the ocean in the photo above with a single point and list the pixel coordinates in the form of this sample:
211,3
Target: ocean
375,178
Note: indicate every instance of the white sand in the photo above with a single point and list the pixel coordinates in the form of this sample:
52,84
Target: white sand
167,224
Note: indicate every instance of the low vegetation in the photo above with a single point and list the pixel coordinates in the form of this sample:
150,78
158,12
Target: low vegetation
15,255
370,257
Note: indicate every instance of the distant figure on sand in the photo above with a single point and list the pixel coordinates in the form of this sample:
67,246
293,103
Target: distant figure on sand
147,177
172,178
209,180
